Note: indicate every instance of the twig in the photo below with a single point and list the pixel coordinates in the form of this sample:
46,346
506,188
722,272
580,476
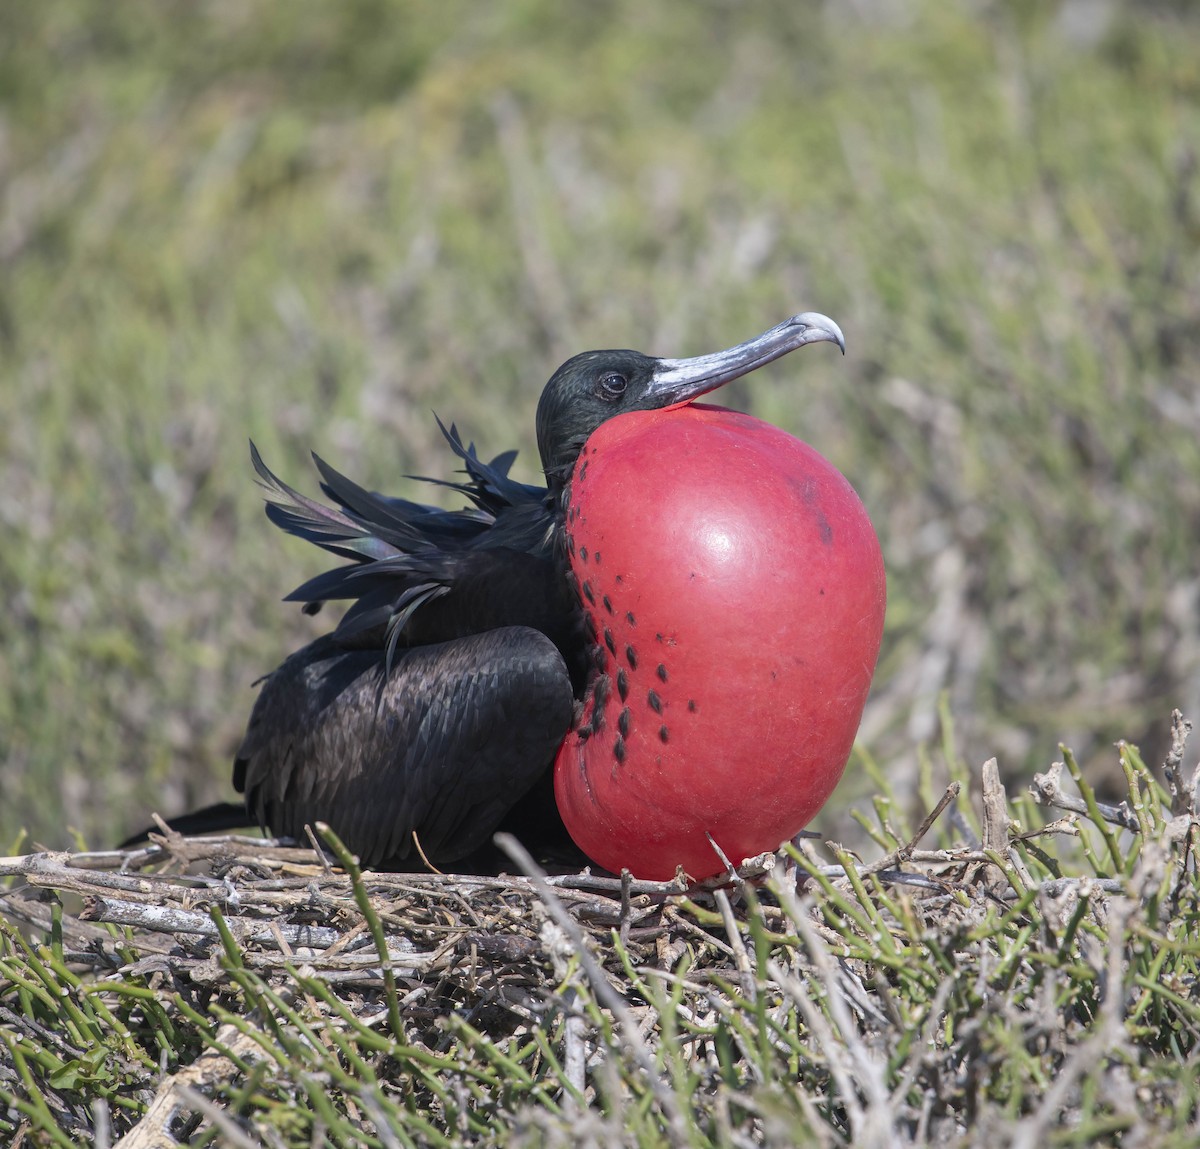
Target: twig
615,885
1047,791
363,900
231,1132
1056,887
745,968
605,994
995,823
1183,798
626,907
904,853
575,1048
174,920
1105,1041
176,1094
850,1064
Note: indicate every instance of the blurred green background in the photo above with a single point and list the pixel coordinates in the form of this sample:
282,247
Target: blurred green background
317,223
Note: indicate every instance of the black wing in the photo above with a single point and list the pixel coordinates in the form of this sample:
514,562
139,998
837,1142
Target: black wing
442,746
406,556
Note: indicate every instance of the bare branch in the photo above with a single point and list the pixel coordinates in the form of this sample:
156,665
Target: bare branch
1047,791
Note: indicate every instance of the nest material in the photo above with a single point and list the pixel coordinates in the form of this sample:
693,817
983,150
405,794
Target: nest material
284,905
228,928
288,906
404,951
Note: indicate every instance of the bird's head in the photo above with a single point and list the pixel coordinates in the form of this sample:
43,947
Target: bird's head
591,388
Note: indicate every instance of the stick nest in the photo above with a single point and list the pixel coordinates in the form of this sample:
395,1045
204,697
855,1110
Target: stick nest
974,993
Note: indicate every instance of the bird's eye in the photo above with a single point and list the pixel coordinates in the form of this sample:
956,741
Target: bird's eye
612,385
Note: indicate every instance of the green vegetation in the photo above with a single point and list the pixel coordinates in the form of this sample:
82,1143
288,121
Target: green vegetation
1025,978
315,224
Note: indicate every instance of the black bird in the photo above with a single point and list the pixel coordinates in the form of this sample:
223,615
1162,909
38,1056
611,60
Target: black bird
430,717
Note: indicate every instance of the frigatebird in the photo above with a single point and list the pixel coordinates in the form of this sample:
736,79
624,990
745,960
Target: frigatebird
433,714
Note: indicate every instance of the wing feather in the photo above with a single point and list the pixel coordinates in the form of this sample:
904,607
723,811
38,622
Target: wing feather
443,745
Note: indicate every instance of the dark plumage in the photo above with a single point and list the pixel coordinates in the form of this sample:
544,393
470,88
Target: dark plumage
421,749
433,711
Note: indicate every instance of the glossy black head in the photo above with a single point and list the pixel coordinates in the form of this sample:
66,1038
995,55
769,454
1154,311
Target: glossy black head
593,387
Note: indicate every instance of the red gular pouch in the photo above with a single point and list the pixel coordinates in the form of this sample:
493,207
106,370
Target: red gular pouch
736,589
